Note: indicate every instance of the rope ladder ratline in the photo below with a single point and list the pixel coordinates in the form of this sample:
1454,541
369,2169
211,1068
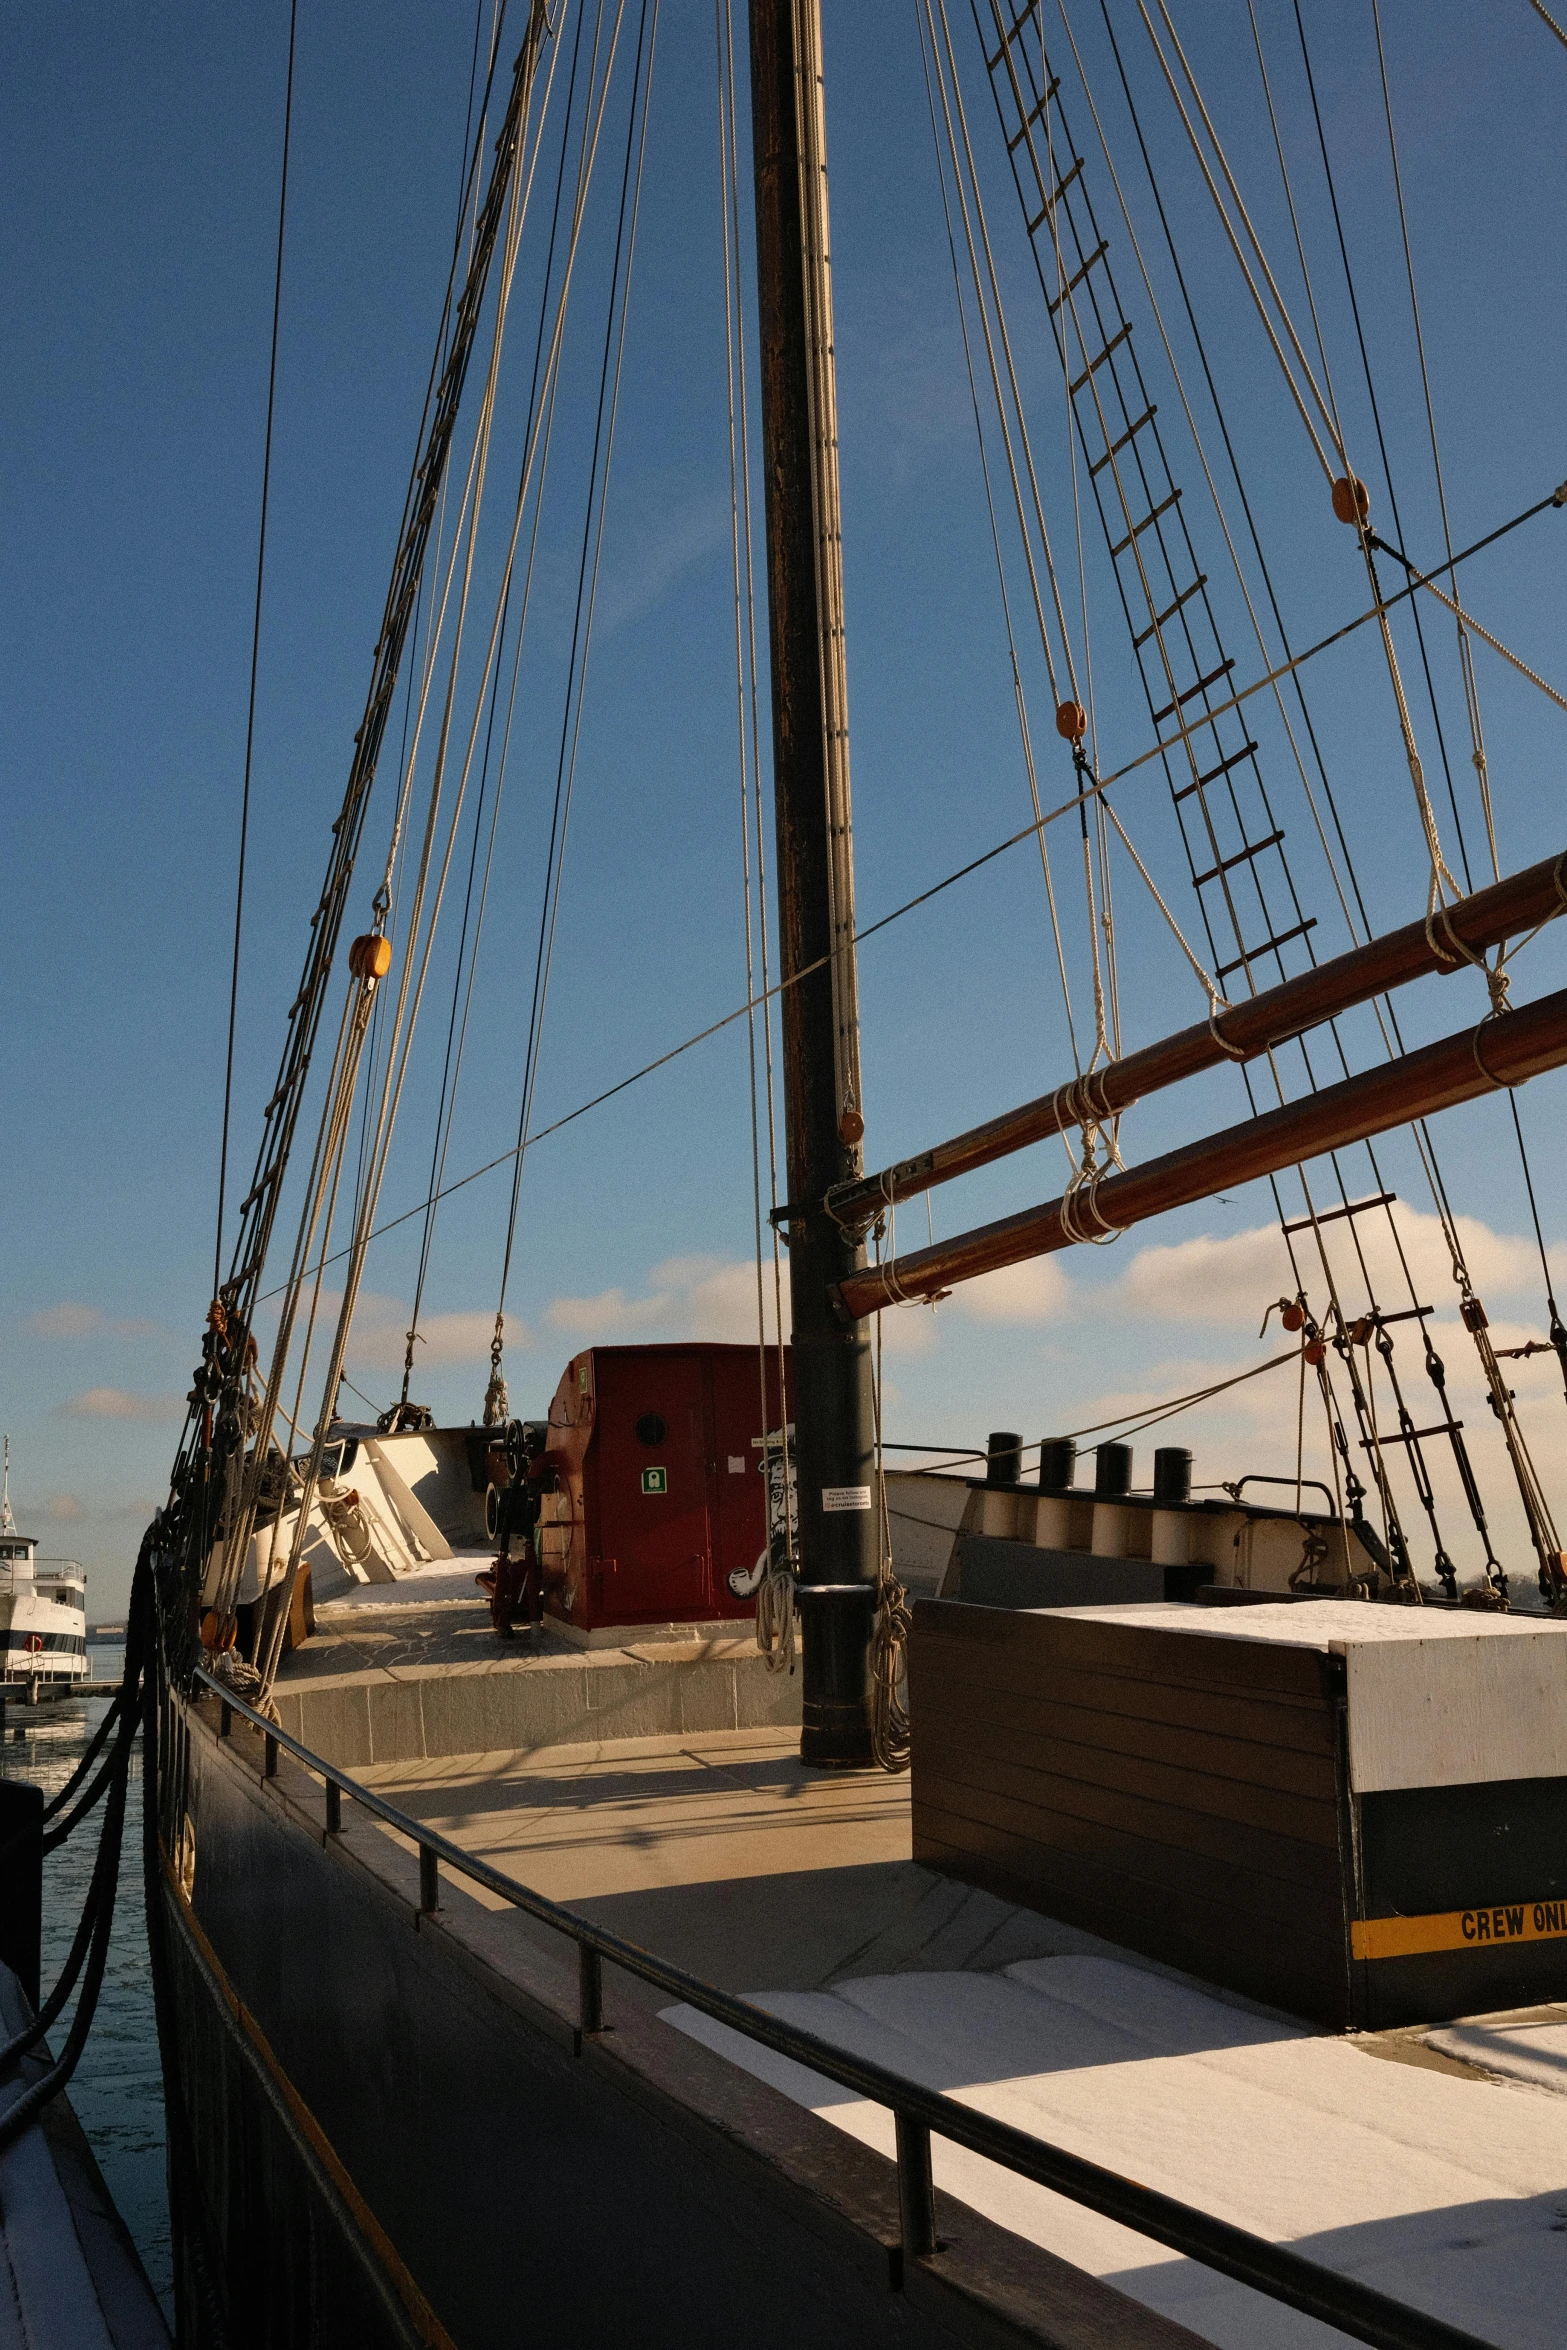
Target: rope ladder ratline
1051,193
1055,191
1058,191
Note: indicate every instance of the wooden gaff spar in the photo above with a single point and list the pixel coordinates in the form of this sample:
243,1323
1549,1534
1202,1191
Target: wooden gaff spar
1505,910
1505,1050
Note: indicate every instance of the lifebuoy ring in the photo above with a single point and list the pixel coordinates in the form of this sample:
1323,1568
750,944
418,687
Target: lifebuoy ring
34,1644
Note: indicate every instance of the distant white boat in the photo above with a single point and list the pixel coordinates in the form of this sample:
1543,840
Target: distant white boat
43,1610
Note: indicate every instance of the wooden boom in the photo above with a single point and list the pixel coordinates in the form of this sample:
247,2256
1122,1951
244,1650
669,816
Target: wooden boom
1504,910
1503,1051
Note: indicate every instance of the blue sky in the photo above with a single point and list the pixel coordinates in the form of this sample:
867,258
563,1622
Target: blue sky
140,156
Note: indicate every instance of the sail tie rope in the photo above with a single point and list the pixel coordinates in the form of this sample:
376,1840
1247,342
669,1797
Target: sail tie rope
1100,1154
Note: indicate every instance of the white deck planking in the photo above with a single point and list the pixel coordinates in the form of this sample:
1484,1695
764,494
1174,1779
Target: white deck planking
1450,2193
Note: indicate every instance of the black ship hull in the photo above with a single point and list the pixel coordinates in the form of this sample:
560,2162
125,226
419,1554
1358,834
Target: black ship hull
398,2135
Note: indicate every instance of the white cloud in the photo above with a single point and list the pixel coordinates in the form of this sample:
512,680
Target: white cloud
712,1299
120,1403
62,1508
611,1314
659,549
699,1297
1037,1291
1233,1279
379,1337
1207,1279
443,1338
909,1330
64,1321
71,1319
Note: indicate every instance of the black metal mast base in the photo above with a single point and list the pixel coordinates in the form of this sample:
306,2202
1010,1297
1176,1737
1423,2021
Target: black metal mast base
835,1622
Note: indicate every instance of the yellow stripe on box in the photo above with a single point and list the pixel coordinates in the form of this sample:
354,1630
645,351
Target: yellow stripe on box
1459,1929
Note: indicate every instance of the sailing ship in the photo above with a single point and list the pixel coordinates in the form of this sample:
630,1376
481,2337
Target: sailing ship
478,1745
43,1614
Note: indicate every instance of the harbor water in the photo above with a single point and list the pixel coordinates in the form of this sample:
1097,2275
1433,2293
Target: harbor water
117,2088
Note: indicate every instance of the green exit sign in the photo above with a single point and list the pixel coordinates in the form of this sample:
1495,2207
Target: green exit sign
655,1480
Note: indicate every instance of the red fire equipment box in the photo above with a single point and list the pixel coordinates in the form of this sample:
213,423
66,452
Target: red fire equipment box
671,1484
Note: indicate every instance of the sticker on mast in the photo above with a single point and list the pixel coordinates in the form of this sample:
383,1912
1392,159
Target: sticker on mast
846,1497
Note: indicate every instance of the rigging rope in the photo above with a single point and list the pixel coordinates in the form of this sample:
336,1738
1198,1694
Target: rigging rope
255,651
1132,1422
1376,417
1071,718
763,931
775,1608
497,1408
369,963
921,13
1322,407
1465,655
964,872
411,990
1541,1530
215,1428
496,1403
1440,875
1058,181
1387,1017
586,605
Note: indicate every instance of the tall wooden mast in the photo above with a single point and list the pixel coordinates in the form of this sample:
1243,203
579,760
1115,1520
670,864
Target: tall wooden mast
821,1048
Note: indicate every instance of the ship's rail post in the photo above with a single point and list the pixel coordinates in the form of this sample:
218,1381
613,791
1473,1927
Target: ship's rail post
334,1808
1361,2311
916,2187
590,1993
269,1758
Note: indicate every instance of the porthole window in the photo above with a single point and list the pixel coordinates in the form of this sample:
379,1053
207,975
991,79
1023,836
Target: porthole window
651,1429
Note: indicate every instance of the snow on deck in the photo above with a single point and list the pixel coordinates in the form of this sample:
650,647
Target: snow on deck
1448,2192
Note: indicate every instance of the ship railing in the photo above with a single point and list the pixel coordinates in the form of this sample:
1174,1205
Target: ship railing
919,2113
